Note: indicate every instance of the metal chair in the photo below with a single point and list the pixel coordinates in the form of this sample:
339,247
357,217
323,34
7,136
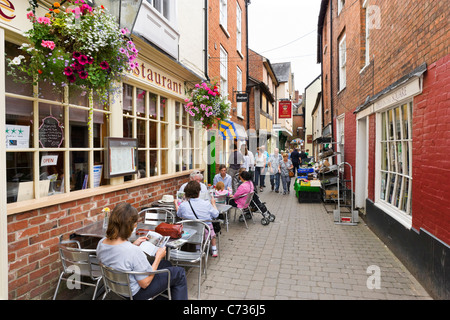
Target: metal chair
154,216
245,210
194,259
118,282
78,263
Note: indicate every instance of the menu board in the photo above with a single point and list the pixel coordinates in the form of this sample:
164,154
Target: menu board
121,157
51,133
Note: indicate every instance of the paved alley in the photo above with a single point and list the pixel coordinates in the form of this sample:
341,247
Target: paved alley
302,255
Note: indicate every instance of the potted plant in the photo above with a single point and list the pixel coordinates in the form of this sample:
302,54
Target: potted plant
206,105
78,46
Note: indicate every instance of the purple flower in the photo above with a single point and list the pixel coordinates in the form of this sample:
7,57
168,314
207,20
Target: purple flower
104,65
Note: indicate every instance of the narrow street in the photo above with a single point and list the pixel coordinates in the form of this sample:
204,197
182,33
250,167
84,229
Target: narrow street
302,255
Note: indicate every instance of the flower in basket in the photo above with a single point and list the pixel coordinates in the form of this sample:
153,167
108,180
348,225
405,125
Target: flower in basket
79,46
206,105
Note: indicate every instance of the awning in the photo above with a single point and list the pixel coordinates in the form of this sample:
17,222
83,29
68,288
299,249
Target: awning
231,130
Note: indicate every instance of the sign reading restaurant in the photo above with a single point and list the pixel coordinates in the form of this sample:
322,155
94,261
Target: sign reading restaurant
148,73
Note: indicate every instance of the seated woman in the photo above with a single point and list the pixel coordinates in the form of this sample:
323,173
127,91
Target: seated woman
245,187
196,208
117,252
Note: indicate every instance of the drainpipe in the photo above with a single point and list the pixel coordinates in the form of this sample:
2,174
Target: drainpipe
206,40
331,72
247,89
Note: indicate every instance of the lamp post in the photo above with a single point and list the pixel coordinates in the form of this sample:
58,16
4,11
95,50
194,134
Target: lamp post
126,11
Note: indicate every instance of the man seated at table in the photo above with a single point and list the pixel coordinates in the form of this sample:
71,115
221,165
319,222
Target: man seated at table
223,177
196,176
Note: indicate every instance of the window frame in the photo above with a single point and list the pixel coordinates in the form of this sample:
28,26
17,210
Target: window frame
223,14
238,28
342,62
392,161
223,72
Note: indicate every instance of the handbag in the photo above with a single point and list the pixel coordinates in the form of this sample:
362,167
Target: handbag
168,229
291,174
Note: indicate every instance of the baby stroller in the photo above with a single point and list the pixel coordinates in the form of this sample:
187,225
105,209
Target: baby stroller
256,205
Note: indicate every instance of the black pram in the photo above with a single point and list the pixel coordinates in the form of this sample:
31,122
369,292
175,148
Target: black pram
257,205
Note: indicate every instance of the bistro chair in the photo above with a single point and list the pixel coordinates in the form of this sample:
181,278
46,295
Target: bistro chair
199,258
245,209
78,263
154,216
118,282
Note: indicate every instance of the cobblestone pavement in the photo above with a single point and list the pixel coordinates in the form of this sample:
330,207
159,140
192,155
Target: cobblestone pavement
302,255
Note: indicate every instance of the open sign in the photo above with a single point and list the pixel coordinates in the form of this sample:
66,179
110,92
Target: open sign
49,161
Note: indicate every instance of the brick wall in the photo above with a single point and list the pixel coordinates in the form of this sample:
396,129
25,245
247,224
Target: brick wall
431,164
218,37
33,236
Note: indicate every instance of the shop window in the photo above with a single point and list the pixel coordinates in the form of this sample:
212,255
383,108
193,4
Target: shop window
184,140
395,159
52,138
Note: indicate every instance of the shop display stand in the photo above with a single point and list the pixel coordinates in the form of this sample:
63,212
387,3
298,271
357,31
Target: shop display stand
329,179
344,214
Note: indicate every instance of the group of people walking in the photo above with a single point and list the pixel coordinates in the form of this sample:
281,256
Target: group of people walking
280,167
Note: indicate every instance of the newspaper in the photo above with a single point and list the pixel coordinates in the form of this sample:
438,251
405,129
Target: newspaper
154,242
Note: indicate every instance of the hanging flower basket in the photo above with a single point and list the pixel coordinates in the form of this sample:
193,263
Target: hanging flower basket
79,46
206,105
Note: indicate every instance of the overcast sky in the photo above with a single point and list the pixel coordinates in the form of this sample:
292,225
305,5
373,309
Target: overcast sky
286,31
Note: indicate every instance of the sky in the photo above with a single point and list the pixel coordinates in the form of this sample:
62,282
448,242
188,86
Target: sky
286,31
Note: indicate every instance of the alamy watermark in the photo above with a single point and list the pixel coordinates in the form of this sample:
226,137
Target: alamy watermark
374,280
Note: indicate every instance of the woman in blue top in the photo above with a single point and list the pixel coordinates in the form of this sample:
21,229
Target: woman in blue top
204,210
117,252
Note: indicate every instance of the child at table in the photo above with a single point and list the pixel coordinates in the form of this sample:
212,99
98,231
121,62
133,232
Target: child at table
220,190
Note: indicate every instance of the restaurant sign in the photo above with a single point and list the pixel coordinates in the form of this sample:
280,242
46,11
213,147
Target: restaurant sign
144,71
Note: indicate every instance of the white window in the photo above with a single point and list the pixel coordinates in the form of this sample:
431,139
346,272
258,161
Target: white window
223,13
342,63
340,128
341,4
367,34
239,88
162,6
238,28
395,161
223,72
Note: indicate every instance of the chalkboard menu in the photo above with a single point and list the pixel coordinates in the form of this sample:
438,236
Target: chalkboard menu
51,133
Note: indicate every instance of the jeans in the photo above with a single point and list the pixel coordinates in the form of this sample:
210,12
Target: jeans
259,177
296,166
178,284
286,180
275,181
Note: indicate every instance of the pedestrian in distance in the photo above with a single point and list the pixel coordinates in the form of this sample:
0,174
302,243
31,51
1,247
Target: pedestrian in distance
260,165
295,158
274,169
286,166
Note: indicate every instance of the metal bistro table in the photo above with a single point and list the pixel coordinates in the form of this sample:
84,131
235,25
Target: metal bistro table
96,230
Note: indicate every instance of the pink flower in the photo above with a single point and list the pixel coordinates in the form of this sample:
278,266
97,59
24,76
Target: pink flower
104,65
83,74
30,15
83,59
48,44
43,20
68,71
71,78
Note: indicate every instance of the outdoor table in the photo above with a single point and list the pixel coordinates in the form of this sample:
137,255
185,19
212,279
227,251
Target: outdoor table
96,230
223,209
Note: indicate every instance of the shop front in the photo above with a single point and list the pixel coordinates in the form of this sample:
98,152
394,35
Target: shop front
56,154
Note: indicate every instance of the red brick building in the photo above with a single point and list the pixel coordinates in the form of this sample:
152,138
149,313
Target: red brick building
227,66
386,84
